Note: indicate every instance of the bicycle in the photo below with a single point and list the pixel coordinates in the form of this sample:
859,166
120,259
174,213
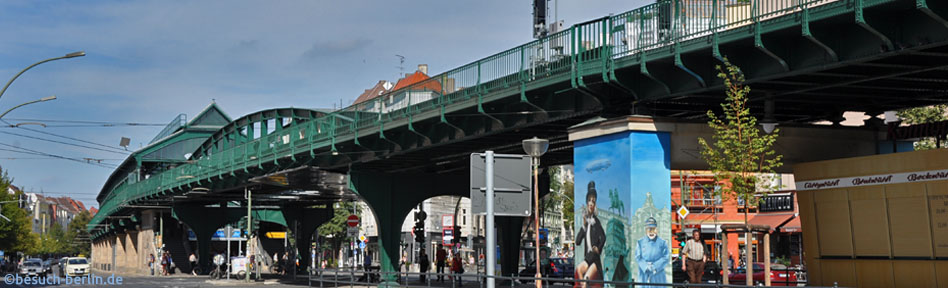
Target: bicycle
218,272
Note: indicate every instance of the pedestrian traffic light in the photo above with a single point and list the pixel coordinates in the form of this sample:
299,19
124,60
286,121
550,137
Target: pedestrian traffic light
681,237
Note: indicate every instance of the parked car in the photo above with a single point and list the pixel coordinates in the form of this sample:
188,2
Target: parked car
712,272
32,267
777,277
558,268
76,266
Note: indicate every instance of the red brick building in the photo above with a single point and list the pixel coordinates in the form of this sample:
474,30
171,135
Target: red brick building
707,212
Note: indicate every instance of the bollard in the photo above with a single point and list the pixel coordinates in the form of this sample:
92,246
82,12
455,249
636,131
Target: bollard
351,277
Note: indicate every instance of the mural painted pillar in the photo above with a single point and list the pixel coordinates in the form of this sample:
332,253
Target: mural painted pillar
622,195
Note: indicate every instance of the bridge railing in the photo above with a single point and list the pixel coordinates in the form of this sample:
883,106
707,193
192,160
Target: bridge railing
580,50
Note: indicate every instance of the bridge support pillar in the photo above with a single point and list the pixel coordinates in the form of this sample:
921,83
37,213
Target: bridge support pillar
195,216
623,199
392,196
509,229
303,222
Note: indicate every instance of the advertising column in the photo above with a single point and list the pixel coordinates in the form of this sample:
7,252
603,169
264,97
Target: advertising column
622,196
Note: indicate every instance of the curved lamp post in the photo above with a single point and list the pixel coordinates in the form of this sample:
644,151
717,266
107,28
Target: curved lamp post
70,55
44,99
536,147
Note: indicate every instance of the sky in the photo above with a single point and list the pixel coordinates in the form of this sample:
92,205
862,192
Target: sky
148,61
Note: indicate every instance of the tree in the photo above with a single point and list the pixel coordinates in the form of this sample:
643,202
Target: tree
921,115
15,234
77,236
740,156
334,230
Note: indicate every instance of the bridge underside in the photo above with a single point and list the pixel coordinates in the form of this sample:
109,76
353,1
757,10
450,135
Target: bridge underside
813,63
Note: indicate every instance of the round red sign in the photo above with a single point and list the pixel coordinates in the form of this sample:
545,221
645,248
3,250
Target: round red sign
353,221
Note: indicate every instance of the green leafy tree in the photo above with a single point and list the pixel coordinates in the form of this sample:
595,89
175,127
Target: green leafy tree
77,236
333,232
16,234
921,115
741,156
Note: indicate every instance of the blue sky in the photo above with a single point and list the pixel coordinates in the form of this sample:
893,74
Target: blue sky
148,61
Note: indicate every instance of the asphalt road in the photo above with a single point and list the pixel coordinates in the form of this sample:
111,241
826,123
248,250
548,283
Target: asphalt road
105,280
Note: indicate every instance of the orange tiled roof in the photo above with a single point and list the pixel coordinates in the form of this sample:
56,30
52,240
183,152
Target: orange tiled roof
373,92
416,78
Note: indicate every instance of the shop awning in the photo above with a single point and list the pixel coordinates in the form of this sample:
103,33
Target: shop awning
792,227
772,220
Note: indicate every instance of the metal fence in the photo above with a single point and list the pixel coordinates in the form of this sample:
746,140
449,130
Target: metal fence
360,277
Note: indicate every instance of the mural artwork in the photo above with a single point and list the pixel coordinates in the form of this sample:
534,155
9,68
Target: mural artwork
623,217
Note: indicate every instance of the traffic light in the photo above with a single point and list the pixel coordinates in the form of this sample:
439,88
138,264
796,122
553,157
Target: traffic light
419,229
457,235
682,237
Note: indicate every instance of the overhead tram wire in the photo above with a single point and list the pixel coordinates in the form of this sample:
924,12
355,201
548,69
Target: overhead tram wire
115,123
64,143
117,149
34,152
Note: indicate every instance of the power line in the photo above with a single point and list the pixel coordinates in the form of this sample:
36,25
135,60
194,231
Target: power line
87,122
70,138
64,143
34,152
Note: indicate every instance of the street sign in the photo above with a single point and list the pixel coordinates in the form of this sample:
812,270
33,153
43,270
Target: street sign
363,239
353,221
447,221
352,232
361,245
682,212
512,182
447,236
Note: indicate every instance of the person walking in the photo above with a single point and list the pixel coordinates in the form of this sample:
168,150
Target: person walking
457,267
193,260
694,257
151,263
440,258
424,264
164,264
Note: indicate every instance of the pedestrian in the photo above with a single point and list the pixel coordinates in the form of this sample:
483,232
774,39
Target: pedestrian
164,264
151,263
457,266
194,263
424,264
286,263
694,257
440,261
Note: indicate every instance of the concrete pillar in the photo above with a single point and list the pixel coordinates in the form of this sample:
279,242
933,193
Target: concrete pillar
622,168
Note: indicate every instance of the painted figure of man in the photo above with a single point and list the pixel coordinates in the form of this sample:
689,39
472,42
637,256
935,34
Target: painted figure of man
593,236
652,255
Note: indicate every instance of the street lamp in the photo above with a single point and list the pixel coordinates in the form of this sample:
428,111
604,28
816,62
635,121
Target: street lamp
70,55
536,147
44,99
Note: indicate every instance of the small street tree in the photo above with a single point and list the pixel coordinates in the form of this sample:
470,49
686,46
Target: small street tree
740,156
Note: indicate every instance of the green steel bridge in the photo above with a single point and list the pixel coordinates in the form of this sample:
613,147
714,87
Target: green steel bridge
814,58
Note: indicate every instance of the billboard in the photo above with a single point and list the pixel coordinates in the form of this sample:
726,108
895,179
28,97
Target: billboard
623,217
